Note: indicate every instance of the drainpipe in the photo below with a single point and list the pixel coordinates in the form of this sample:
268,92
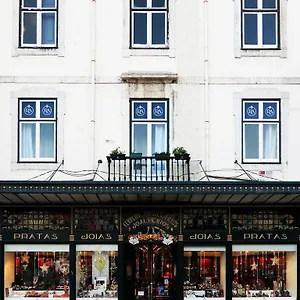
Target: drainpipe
206,95
93,84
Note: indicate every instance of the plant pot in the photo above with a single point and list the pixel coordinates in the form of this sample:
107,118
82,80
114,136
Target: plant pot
185,156
118,156
163,156
136,155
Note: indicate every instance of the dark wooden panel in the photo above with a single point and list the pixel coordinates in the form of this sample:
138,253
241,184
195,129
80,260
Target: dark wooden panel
52,198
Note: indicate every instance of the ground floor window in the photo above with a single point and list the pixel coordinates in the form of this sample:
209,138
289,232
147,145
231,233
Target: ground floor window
204,272
264,271
96,271
36,271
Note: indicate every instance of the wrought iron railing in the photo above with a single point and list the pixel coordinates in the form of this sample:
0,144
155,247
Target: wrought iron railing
148,168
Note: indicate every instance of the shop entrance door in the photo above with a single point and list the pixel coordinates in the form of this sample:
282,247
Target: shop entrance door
153,272
149,272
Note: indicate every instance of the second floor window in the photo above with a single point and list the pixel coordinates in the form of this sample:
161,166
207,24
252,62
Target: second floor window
37,130
38,26
261,131
149,126
260,24
149,23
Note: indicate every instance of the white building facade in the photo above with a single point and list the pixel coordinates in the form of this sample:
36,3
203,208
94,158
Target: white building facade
79,79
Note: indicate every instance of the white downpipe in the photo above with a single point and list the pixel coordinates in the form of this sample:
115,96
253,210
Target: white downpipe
206,91
93,84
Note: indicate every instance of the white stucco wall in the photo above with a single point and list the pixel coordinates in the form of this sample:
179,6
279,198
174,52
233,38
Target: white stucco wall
67,72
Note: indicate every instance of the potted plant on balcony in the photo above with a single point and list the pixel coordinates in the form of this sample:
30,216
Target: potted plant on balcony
136,155
117,154
162,155
181,153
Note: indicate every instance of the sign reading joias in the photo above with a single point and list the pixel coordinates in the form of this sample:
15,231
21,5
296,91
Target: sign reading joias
167,223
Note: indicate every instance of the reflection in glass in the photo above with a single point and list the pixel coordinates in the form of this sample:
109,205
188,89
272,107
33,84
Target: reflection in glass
96,274
262,273
202,274
29,28
37,274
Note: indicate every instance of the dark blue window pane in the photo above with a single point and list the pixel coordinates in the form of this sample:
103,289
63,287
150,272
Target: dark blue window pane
250,29
28,109
158,28
251,111
140,110
29,28
48,3
140,3
140,28
250,3
158,110
48,28
269,29
47,109
30,3
270,110
251,141
269,3
140,134
158,3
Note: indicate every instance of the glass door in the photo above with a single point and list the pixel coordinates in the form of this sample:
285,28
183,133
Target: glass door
154,272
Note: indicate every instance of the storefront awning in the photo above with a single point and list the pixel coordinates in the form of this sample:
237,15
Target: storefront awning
166,193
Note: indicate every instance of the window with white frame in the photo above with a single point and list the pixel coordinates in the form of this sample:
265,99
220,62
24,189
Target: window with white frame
149,126
261,131
37,130
149,23
260,24
38,26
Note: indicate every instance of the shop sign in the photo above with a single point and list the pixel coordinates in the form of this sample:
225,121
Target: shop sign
34,236
204,236
96,236
264,236
166,223
165,239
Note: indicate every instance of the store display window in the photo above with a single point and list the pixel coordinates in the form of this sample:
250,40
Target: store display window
36,271
96,271
204,272
264,271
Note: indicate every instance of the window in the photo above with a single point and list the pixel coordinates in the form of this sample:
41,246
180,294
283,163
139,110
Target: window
260,23
37,130
204,272
149,23
261,131
149,126
38,26
39,271
264,271
96,271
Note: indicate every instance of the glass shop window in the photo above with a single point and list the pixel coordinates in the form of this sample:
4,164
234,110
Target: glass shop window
36,271
204,272
96,271
264,271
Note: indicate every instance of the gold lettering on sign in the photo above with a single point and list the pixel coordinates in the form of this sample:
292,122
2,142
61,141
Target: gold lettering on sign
35,236
96,236
205,236
265,236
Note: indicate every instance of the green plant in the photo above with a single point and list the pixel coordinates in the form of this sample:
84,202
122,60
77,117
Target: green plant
162,153
179,151
117,151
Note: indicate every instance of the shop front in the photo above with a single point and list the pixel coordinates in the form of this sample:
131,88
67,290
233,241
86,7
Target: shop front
168,251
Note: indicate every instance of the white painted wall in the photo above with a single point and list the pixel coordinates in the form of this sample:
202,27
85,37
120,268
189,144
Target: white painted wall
69,73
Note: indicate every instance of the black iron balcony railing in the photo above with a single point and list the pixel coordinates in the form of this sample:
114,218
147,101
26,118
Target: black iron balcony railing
148,168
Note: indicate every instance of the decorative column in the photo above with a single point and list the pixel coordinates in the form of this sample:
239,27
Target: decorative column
298,270
2,253
179,259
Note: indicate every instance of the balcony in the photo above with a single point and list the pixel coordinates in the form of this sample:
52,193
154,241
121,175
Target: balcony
148,168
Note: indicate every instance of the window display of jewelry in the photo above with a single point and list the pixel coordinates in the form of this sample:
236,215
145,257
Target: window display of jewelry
205,289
